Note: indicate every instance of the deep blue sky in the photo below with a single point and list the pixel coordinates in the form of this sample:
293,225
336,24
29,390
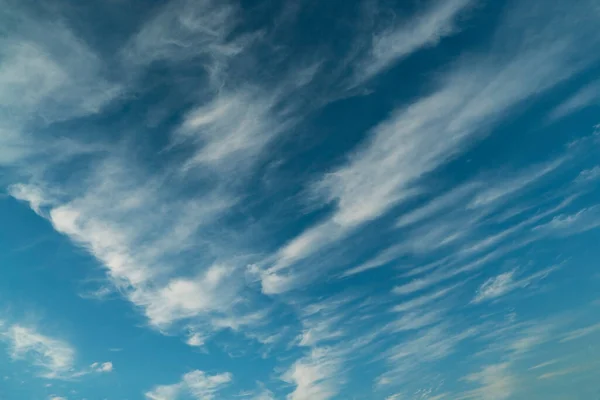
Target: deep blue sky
299,200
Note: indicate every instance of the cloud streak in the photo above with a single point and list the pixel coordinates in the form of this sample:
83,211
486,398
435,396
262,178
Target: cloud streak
196,384
418,138
425,29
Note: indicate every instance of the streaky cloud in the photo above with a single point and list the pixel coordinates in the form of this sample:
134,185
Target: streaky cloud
422,136
197,384
425,29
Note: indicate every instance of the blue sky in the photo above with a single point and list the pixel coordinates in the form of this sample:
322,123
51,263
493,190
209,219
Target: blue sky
299,200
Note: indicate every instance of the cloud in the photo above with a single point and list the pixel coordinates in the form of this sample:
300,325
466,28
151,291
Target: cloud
444,221
231,130
196,340
415,320
580,333
54,358
424,300
185,30
102,367
196,384
504,283
420,137
334,336
183,298
262,393
555,374
425,29
422,348
48,71
585,97
397,396
572,224
496,383
315,376
47,75
132,255
511,185
29,194
544,364
589,175
149,228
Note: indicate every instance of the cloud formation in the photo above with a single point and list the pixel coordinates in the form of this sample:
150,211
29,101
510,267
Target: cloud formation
196,383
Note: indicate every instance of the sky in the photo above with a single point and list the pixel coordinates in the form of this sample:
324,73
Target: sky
299,200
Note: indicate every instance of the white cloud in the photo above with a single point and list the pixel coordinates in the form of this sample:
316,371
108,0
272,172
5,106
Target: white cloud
580,333
423,30
47,74
510,185
102,367
397,396
424,300
196,383
544,364
29,194
424,347
143,226
260,394
589,175
555,374
196,340
316,375
55,358
232,130
133,255
585,97
184,30
572,224
183,298
57,398
415,320
418,138
496,383
445,220
504,283
46,70
335,335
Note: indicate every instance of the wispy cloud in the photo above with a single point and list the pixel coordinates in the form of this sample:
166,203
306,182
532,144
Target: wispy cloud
418,138
196,384
54,358
47,75
589,175
556,374
426,346
144,225
581,333
102,367
425,29
425,299
502,284
496,383
262,393
585,97
572,224
397,396
185,30
543,365
232,130
316,376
